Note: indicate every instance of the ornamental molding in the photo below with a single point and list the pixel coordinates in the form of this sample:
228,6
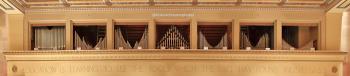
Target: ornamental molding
175,55
172,9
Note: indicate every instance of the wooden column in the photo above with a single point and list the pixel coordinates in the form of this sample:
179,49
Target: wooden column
277,35
236,34
332,30
151,34
110,34
193,34
321,40
27,36
69,35
16,31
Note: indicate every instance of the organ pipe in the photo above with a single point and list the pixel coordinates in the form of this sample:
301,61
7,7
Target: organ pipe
172,39
49,38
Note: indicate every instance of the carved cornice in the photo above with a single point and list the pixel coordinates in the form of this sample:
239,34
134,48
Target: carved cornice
172,9
111,3
149,54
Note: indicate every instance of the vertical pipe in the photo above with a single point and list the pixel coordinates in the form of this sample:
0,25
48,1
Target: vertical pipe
171,40
49,41
115,38
50,32
176,41
58,37
52,39
40,38
62,38
166,41
46,37
35,37
75,40
173,37
55,38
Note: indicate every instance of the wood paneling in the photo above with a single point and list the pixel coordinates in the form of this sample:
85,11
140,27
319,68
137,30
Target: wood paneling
175,62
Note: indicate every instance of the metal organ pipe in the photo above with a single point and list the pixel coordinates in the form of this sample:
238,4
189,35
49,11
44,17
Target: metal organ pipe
46,38
173,39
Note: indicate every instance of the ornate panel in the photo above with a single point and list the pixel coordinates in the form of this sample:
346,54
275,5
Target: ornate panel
173,63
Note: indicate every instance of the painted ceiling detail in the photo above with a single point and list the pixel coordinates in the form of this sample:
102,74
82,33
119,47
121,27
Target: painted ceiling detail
339,6
5,5
344,4
8,8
